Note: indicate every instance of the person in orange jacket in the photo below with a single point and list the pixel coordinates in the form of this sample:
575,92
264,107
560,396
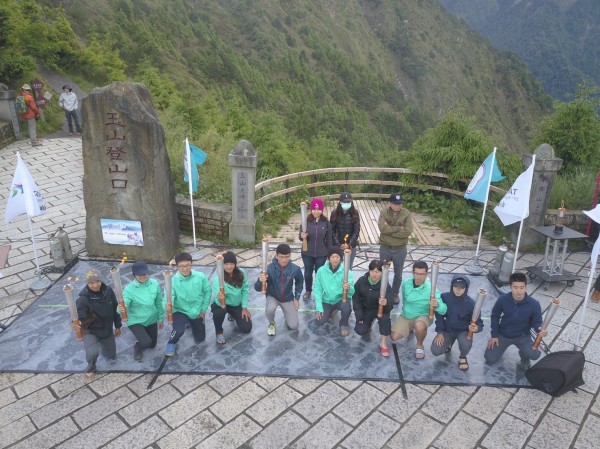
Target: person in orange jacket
31,115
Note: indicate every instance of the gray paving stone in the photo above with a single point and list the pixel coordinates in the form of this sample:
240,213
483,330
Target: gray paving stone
141,436
140,385
192,432
189,405
6,397
325,434
50,436
15,432
25,406
237,401
572,406
69,384
233,435
569,333
226,384
320,401
596,406
463,431
400,409
589,435
97,435
272,405
111,382
149,404
189,382
305,386
63,407
359,404
418,432
528,405
445,403
349,385
100,409
488,403
387,387
553,431
507,433
592,352
281,432
372,433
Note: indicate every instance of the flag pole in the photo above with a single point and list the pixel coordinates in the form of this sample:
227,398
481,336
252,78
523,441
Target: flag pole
189,170
40,283
523,219
576,346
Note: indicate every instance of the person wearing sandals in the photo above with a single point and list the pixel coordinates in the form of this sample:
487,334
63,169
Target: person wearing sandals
329,289
456,323
416,292
235,296
345,225
318,237
366,302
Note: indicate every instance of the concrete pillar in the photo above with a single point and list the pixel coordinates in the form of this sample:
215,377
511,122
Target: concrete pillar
8,113
242,160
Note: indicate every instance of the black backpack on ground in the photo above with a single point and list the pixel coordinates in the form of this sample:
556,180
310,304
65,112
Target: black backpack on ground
558,372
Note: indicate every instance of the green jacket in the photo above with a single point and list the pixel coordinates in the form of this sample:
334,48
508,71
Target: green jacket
328,286
234,296
394,231
415,300
191,294
143,302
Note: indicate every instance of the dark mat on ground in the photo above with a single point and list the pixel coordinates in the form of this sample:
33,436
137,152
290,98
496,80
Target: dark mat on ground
41,341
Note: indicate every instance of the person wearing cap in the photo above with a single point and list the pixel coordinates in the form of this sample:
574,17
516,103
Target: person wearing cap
395,227
455,324
97,311
68,101
191,296
345,225
31,115
318,237
329,289
284,284
366,301
145,309
235,296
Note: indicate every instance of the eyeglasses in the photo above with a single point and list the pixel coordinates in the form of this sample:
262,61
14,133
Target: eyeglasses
419,274
185,267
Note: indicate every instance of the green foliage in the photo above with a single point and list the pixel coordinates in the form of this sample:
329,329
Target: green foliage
101,61
575,188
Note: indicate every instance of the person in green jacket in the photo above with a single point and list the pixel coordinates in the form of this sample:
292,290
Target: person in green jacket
328,290
191,296
235,297
416,293
145,309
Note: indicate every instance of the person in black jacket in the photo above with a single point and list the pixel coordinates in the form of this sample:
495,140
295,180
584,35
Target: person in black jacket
366,302
345,225
456,323
97,310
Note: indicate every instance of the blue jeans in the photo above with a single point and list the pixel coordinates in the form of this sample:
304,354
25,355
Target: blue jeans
72,116
311,263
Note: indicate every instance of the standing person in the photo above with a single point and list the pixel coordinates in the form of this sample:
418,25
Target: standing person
366,302
31,115
513,316
395,227
68,101
329,290
345,225
456,323
416,299
318,237
145,310
236,298
284,284
191,295
97,311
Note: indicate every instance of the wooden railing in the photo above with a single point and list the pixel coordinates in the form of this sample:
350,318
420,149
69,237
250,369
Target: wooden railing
270,189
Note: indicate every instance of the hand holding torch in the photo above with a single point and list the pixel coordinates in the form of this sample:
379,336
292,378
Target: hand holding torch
435,268
265,252
304,223
382,289
169,294
347,254
75,324
116,277
477,310
221,275
554,305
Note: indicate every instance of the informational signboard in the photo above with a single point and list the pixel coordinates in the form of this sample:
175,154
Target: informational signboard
122,232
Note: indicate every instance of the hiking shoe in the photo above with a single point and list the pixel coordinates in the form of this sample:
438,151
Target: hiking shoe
271,329
90,370
170,349
137,351
306,296
525,363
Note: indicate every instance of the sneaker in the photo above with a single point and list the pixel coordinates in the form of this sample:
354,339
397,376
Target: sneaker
525,363
306,296
271,329
170,349
137,351
90,370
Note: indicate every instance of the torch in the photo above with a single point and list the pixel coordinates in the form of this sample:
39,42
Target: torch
221,274
560,219
477,310
304,223
347,254
68,289
116,277
384,283
435,268
169,294
549,315
265,251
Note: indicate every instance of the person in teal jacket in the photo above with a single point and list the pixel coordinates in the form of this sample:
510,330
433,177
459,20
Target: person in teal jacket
236,298
329,288
191,296
145,309
416,293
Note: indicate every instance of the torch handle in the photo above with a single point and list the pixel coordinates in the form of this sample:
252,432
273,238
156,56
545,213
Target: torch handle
470,334
124,311
304,244
380,311
264,285
537,341
79,331
345,295
222,301
170,313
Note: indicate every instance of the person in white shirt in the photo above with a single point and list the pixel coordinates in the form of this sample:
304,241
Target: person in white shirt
68,101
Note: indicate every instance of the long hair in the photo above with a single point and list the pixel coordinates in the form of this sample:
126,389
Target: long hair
311,217
236,278
338,213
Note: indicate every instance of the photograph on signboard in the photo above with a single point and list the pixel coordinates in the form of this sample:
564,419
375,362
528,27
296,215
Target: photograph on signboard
122,232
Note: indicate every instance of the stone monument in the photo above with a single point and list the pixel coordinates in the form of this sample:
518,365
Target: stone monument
127,183
242,160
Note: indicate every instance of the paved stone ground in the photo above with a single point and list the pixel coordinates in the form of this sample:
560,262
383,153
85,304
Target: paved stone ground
182,411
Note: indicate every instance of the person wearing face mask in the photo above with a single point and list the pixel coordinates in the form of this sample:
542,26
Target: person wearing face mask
345,225
145,309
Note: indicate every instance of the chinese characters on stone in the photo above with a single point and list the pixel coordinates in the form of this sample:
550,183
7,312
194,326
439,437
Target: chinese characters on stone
116,150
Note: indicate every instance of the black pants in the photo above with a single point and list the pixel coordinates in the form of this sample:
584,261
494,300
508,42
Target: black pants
179,322
72,117
245,326
146,335
385,324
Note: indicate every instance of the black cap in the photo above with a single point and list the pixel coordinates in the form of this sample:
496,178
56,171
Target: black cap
345,197
229,257
66,86
139,268
335,250
396,198
460,283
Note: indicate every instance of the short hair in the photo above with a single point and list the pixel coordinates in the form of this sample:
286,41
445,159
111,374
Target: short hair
183,257
283,248
420,264
517,277
376,263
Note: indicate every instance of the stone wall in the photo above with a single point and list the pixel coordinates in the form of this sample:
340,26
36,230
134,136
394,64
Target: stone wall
7,136
212,219
574,219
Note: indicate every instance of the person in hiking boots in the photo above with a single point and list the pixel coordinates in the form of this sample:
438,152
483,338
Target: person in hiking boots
68,101
366,301
455,324
513,316
329,288
235,296
191,296
345,225
31,115
145,309
97,311
284,284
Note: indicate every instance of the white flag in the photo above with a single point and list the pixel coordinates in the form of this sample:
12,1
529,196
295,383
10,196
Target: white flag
594,214
24,196
515,204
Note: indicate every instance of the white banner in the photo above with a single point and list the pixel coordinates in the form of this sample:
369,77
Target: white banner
24,196
594,214
515,204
